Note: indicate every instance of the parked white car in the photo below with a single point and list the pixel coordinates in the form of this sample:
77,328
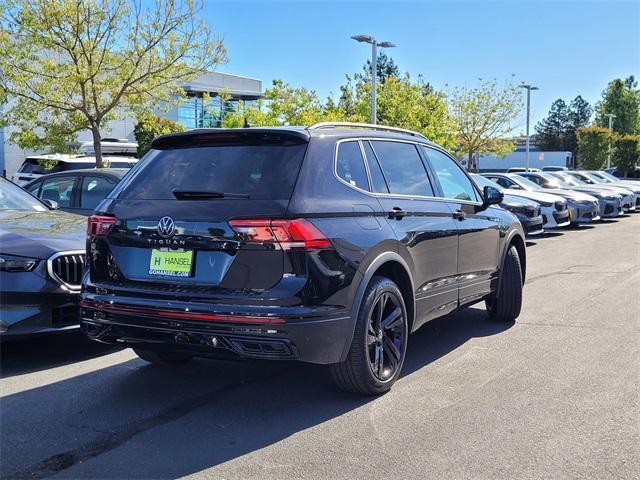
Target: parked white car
553,208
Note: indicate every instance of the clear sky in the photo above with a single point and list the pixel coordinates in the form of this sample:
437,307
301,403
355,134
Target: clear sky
565,48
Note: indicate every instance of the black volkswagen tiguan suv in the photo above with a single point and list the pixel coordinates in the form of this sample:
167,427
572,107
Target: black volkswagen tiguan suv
327,244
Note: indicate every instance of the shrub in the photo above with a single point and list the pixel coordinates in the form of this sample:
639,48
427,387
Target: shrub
626,152
593,147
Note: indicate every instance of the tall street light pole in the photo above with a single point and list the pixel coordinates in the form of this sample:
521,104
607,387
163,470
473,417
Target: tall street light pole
611,117
374,67
529,88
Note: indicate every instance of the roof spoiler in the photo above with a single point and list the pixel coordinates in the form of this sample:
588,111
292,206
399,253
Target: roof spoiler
209,137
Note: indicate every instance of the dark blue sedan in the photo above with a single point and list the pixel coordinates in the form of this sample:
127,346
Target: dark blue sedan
42,254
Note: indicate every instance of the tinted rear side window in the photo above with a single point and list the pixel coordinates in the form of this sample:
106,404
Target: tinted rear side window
264,172
403,168
350,165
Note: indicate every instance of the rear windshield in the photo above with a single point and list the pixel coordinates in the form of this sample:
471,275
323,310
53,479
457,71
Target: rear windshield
43,166
38,165
263,172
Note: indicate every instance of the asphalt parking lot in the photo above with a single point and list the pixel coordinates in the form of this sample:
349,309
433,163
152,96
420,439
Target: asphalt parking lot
555,395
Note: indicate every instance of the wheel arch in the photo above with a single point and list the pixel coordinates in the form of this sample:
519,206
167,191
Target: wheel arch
394,267
516,239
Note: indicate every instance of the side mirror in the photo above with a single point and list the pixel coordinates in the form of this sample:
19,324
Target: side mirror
52,204
492,196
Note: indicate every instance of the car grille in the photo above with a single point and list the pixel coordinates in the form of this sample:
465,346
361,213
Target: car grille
67,269
559,206
608,209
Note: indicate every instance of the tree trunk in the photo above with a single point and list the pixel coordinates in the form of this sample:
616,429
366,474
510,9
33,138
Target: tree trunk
470,164
97,147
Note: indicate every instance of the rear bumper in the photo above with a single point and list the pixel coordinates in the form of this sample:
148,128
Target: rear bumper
314,335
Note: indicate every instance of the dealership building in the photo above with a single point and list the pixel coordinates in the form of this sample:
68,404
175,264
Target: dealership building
208,98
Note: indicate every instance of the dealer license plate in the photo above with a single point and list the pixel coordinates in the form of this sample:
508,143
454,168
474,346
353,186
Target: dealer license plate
172,263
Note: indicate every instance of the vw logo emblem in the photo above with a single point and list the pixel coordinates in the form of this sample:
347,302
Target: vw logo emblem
166,227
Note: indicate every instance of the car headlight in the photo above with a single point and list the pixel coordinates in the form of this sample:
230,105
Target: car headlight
546,204
514,209
12,263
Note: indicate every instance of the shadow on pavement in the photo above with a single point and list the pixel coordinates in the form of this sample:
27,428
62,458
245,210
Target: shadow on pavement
580,227
550,234
18,357
172,422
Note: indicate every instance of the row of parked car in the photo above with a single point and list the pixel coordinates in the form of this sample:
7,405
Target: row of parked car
327,244
554,199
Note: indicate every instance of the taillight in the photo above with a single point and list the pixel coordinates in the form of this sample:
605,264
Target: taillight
287,234
99,225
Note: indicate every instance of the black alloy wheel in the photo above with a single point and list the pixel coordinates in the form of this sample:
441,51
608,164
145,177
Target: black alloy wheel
379,343
386,336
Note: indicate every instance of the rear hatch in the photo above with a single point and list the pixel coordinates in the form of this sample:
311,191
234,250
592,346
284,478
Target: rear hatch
179,219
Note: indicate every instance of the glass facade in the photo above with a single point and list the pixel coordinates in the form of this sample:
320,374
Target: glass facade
195,112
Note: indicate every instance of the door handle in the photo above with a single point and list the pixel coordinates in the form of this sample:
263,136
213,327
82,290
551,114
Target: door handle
397,213
459,215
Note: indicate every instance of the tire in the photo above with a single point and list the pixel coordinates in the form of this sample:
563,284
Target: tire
163,358
507,305
376,355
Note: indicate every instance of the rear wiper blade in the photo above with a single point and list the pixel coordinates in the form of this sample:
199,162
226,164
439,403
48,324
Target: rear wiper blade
203,195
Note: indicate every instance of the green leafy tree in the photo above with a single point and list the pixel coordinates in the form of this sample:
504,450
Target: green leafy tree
151,126
622,99
281,104
593,147
626,152
483,116
70,65
404,103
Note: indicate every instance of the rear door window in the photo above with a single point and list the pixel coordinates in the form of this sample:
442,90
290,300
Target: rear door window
93,191
350,165
260,171
58,189
403,168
